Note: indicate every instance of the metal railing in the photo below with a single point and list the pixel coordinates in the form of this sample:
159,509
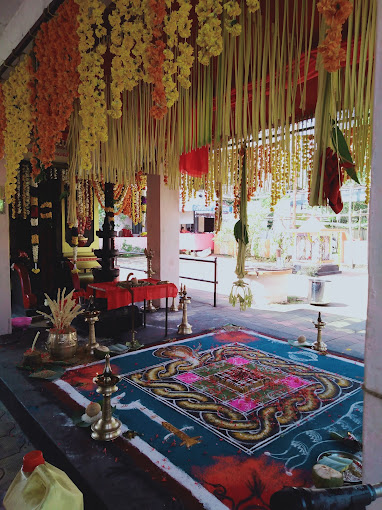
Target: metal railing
214,281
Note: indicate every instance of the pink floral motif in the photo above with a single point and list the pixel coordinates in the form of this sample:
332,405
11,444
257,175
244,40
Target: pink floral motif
238,361
188,377
244,404
292,381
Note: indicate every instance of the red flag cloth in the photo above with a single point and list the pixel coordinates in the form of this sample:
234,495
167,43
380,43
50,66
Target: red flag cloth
333,179
195,163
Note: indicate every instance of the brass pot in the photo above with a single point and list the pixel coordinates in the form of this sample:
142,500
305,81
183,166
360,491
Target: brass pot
62,345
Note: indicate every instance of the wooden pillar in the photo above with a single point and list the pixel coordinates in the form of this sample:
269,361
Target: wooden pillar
5,283
372,422
163,228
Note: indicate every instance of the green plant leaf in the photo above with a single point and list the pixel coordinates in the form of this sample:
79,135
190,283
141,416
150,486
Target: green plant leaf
352,174
340,145
240,232
342,149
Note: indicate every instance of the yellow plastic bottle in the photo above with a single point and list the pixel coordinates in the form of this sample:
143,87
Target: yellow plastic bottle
41,486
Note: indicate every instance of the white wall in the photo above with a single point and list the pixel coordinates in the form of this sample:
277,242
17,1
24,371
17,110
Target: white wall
19,25
5,284
372,423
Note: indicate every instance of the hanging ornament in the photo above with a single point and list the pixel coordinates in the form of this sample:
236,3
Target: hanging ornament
241,291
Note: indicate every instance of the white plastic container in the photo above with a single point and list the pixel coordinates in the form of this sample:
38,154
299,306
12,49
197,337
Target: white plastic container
41,486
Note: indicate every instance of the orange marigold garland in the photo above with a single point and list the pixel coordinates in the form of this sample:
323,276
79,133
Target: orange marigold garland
335,13
56,81
156,59
3,121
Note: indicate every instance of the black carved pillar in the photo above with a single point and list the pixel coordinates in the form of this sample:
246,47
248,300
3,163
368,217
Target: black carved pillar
107,254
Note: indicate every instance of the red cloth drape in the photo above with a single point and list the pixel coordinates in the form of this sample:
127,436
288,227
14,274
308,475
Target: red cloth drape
194,163
118,297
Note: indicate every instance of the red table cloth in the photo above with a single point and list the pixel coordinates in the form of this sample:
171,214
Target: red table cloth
118,297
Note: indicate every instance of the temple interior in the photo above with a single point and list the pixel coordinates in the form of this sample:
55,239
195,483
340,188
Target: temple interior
144,348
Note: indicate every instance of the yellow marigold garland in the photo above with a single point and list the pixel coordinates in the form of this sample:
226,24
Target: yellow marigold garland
209,38
3,121
18,114
92,94
130,36
232,10
253,5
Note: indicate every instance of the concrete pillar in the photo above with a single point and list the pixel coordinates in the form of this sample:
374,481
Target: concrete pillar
372,422
163,228
5,283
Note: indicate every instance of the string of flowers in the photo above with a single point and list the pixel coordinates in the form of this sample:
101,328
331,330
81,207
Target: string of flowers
19,207
46,211
156,58
84,205
177,24
3,121
75,247
93,110
18,127
34,225
130,36
253,5
26,191
209,38
335,13
233,10
56,81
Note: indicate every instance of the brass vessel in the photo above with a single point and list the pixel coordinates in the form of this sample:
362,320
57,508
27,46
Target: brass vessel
62,345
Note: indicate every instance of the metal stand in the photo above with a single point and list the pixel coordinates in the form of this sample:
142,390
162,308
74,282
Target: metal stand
173,307
149,256
107,427
184,328
134,344
91,317
319,345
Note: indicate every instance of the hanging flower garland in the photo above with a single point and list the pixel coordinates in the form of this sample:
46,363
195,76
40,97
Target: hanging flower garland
253,5
3,121
84,205
177,23
233,10
209,38
75,247
130,36
335,13
34,225
56,81
26,191
91,90
156,58
18,115
240,290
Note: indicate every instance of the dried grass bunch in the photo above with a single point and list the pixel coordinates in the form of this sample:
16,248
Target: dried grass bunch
64,310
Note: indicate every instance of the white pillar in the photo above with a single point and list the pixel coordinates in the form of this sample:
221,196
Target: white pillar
163,228
372,422
5,283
